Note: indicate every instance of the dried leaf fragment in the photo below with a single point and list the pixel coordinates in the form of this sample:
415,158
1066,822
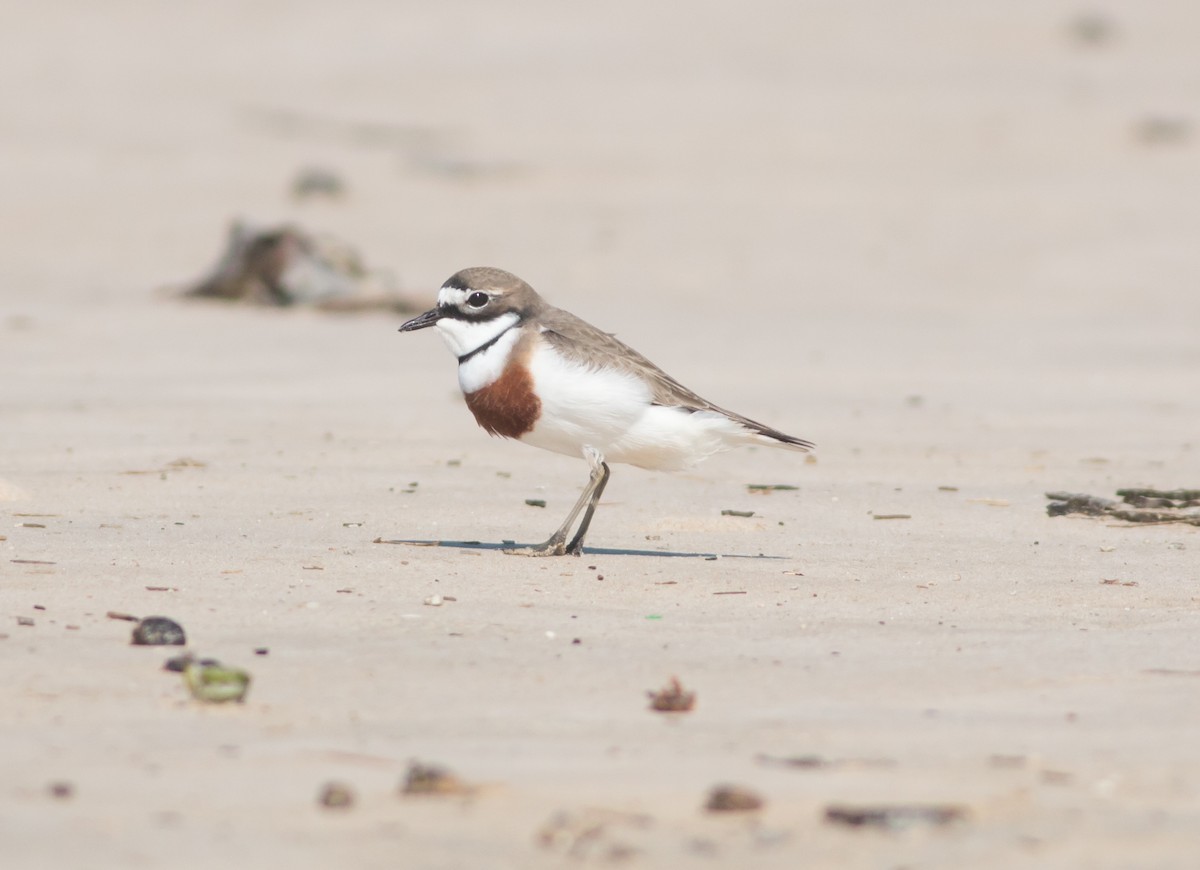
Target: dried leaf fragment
672,698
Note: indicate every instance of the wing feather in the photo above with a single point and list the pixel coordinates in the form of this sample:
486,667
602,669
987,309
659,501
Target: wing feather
578,340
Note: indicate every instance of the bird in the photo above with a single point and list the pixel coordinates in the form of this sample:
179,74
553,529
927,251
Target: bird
541,375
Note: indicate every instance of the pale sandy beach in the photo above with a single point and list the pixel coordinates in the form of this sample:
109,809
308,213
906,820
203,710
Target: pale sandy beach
953,244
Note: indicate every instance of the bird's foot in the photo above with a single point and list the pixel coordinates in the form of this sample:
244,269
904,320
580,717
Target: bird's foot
552,547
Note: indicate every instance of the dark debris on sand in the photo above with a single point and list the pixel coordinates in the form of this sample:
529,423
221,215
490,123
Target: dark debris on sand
288,266
1136,505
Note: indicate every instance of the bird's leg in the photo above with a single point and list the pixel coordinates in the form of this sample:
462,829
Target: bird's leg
575,548
557,543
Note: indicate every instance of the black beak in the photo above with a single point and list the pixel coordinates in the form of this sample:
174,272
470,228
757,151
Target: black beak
429,318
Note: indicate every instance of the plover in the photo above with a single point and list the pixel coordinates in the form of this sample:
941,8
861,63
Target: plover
541,375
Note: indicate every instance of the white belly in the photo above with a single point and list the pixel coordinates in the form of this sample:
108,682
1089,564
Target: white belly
611,412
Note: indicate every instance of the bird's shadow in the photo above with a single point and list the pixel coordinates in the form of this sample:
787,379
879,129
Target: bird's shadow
589,551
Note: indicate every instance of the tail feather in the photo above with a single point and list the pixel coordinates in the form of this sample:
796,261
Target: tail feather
773,437
757,433
778,439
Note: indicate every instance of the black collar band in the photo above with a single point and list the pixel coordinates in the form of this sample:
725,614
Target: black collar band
466,356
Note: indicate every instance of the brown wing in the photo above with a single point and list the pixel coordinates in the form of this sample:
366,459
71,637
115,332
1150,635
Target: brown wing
578,340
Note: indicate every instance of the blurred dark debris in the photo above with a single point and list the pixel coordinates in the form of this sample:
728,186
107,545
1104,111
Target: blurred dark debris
1064,503
894,817
817,762
336,796
285,266
1163,130
178,664
732,799
432,779
1092,28
298,125
174,465
432,151
316,181
1135,506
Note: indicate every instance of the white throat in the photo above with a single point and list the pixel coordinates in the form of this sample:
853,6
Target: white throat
465,337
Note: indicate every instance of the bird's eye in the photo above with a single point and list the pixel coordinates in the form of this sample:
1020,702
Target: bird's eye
477,299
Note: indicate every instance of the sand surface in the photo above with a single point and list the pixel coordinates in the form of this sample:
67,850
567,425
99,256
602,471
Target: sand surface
954,244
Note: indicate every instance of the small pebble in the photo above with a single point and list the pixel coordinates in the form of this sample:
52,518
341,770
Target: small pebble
158,631
431,779
179,662
336,796
434,601
61,790
732,799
